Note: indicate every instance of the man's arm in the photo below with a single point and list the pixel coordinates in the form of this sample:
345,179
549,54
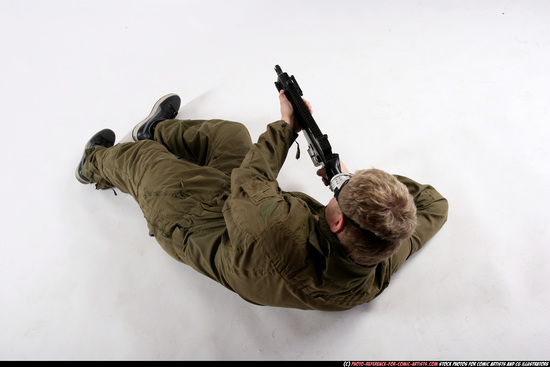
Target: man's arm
273,145
269,153
431,211
279,136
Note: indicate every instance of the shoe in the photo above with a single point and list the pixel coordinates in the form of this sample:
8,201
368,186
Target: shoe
166,108
106,138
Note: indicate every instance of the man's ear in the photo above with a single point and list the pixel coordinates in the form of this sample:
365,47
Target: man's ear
338,224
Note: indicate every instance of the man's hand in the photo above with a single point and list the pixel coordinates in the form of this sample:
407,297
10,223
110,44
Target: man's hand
321,173
287,112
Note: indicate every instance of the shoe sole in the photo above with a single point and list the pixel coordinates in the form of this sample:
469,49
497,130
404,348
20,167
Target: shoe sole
80,179
153,110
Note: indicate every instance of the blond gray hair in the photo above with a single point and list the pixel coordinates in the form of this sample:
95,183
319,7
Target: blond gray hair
385,211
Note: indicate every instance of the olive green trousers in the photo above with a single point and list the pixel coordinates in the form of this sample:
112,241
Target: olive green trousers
179,179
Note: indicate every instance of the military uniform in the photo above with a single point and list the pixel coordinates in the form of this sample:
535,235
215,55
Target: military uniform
211,199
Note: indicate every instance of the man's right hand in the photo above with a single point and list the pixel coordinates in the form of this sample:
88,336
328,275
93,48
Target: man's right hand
321,173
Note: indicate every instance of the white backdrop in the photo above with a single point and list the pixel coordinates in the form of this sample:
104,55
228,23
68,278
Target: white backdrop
454,93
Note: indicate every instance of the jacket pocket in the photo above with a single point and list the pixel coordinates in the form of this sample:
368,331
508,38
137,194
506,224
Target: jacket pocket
259,190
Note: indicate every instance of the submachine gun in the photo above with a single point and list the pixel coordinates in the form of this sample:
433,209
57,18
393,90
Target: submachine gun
319,148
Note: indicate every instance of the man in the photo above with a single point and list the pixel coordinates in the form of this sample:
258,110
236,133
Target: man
211,199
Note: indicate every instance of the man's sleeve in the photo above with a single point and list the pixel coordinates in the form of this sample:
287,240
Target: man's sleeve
431,212
273,145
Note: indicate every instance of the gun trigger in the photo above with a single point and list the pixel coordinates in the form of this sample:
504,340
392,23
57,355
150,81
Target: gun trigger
297,150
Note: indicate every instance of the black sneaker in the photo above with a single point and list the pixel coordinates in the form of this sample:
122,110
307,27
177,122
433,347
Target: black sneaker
166,108
105,138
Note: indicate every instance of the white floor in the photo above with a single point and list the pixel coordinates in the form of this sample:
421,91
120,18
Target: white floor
454,93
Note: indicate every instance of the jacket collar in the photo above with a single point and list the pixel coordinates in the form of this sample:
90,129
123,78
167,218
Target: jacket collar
338,264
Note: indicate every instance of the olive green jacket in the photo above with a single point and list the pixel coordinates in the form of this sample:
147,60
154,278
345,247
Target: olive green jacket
275,248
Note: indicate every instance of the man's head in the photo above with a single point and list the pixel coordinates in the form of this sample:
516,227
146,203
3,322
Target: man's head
373,214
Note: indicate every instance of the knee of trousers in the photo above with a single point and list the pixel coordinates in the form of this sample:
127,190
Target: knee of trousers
231,130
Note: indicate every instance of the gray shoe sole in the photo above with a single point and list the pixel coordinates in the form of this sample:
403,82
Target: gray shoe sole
79,178
106,138
153,111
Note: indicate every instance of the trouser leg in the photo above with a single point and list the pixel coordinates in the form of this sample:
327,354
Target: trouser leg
169,191
218,144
